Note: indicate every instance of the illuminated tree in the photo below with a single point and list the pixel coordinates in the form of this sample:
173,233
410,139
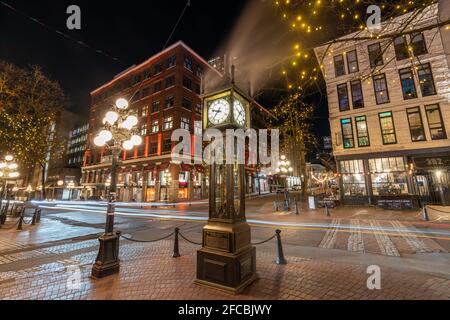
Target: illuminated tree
30,104
294,120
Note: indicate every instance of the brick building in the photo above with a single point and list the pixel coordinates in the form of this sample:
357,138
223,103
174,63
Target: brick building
389,105
164,93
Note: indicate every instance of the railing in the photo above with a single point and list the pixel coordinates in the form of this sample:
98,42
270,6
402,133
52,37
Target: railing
280,259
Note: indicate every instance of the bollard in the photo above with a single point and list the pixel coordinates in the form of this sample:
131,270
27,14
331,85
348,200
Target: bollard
176,248
425,214
296,207
33,220
38,220
19,227
280,259
275,206
327,210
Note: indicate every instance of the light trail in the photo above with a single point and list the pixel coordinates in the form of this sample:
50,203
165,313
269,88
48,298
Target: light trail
440,235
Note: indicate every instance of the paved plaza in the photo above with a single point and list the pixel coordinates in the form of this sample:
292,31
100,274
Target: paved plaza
328,257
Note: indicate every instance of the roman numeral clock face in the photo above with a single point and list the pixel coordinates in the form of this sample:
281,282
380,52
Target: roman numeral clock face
239,113
219,111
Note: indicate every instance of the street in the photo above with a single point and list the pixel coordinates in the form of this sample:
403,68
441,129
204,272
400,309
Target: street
328,255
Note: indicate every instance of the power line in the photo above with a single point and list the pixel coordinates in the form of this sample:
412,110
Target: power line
188,4
64,35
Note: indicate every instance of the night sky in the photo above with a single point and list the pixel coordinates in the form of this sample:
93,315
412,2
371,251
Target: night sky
131,31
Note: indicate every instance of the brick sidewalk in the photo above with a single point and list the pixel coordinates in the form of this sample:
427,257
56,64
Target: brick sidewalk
149,272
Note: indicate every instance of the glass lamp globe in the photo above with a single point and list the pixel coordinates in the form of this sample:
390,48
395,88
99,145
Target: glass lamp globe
133,120
106,135
128,145
9,158
283,157
136,140
111,117
122,104
1,174
99,142
13,166
3,165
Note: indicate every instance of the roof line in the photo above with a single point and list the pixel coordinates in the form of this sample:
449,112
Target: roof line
154,57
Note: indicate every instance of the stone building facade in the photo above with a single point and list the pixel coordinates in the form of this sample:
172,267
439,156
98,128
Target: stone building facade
389,110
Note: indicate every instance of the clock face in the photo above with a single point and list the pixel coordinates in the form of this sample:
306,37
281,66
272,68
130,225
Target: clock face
219,111
239,113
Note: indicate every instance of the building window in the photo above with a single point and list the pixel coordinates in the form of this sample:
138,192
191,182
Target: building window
147,74
435,123
353,178
168,123
171,61
186,103
347,133
144,111
170,81
157,87
198,108
357,94
343,97
426,80
153,148
158,68
375,55
401,48
199,72
155,106
145,92
418,44
362,131
187,83
415,124
352,61
185,123
144,130
188,63
387,128
170,101
167,145
339,65
155,126
389,177
381,90
408,85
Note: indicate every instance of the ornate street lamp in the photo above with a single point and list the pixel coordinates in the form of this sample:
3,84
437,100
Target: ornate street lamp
283,169
8,170
119,134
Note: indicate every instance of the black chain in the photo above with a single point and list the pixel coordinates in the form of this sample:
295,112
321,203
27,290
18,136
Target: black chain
193,242
147,241
265,241
13,226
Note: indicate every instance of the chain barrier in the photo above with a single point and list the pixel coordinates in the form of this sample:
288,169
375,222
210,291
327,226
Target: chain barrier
147,241
265,241
431,208
192,242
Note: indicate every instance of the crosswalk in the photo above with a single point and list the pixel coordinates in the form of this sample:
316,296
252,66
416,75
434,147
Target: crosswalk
388,238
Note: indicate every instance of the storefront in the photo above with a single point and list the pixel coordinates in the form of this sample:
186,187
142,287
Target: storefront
383,181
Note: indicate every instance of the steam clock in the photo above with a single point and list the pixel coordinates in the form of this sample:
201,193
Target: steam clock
227,260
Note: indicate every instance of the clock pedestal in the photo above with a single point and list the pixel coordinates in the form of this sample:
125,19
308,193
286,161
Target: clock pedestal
227,260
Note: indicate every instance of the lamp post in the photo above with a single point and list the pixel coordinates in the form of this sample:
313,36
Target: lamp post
283,169
119,134
8,170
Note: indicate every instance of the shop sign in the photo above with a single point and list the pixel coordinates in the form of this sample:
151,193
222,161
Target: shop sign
432,162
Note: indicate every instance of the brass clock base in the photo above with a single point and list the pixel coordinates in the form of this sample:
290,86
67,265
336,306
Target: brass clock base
224,271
